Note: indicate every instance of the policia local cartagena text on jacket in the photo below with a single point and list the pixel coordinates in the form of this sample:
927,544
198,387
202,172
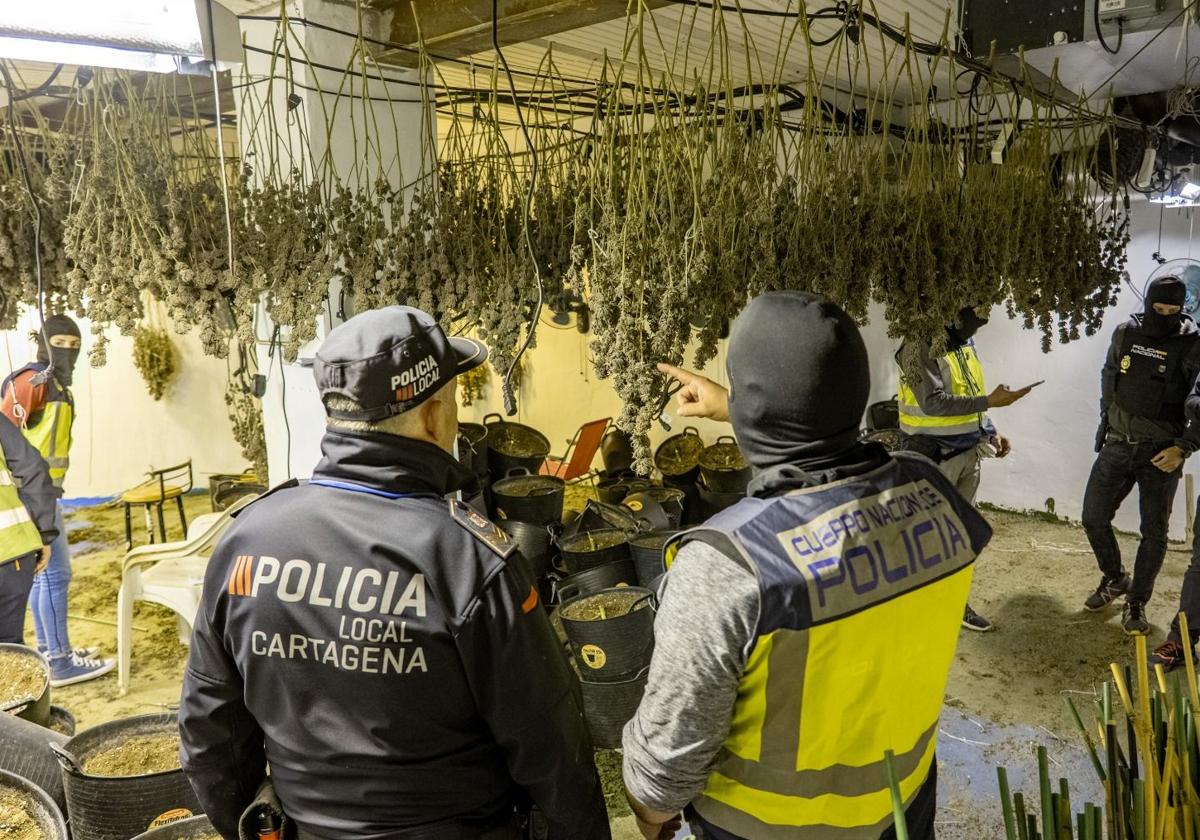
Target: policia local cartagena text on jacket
377,646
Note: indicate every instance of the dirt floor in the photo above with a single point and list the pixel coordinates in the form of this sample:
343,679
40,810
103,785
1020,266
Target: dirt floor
1006,692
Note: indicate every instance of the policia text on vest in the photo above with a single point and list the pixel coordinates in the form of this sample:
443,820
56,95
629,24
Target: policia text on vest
861,604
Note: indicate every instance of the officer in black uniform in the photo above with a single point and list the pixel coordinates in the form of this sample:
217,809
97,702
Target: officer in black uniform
1143,440
374,643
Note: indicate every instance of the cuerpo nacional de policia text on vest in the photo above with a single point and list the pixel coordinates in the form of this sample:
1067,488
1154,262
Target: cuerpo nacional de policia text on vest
18,535
966,380
863,584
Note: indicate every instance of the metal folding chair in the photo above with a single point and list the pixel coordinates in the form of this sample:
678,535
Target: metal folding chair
576,463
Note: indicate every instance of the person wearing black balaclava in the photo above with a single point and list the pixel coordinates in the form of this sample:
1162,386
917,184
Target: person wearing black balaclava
943,411
1143,440
37,398
810,627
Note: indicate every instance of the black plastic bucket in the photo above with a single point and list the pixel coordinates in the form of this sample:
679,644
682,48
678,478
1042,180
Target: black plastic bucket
33,707
612,489
608,706
529,498
647,551
473,449
25,751
534,541
670,499
597,578
598,515
616,450
514,446
587,549
616,648
712,502
191,828
120,807
678,457
40,807
723,467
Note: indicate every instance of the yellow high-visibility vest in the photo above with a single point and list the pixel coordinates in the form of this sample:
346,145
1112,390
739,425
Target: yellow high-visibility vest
18,535
862,588
965,380
51,436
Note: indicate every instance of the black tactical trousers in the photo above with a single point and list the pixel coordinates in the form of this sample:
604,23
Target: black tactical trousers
16,579
1118,468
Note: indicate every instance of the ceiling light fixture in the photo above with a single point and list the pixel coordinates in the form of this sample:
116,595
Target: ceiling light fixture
159,36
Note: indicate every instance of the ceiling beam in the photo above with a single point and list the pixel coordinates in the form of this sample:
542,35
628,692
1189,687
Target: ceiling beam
455,28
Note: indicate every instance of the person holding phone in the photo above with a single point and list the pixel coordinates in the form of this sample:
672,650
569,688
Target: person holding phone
943,410
1143,440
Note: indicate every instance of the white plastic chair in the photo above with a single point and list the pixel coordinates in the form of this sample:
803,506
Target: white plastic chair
170,574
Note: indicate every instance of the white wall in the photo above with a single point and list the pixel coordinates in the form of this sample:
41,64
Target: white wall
1052,429
120,432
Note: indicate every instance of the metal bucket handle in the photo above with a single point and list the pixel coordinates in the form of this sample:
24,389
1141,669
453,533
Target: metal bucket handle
729,438
499,419
517,472
690,430
66,759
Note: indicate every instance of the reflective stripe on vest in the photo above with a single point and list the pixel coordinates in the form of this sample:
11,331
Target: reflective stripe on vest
51,436
18,535
861,607
965,380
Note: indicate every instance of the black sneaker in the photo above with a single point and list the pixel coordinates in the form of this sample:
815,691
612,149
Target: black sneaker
1109,590
974,621
1133,618
1169,654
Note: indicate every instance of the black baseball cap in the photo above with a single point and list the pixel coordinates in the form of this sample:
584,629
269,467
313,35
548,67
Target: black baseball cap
389,361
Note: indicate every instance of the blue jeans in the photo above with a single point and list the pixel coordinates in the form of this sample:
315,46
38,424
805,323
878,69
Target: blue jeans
48,600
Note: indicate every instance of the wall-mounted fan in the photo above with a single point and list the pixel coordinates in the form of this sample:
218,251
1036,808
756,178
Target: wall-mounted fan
1187,270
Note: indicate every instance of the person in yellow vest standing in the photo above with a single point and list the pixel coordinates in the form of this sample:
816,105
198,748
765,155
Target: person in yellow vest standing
806,632
27,515
37,398
944,413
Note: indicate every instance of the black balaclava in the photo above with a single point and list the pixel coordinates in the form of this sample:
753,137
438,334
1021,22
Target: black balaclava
60,359
799,380
1170,290
965,327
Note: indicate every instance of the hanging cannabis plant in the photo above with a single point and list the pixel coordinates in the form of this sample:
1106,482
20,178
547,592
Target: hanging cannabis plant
154,357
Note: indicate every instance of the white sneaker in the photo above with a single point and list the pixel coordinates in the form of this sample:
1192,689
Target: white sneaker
71,669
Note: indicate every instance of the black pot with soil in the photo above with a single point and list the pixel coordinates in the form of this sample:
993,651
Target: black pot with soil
536,543
123,777
25,751
24,684
27,812
647,551
597,578
613,489
723,468
587,549
513,446
611,632
598,515
678,457
537,499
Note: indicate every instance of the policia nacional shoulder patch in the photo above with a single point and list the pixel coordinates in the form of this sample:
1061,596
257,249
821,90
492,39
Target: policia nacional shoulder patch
482,528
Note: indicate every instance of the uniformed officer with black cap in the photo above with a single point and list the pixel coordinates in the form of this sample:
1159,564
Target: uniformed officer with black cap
371,641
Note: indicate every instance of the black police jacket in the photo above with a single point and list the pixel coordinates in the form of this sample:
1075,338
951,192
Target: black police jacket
372,644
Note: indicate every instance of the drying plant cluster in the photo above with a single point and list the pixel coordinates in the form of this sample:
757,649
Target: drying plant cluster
661,198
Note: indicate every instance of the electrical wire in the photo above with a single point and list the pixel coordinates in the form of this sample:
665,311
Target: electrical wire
510,401
1141,50
23,164
1100,32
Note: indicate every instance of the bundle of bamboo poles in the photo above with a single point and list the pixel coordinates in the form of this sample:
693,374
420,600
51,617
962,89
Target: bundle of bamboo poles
1151,778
